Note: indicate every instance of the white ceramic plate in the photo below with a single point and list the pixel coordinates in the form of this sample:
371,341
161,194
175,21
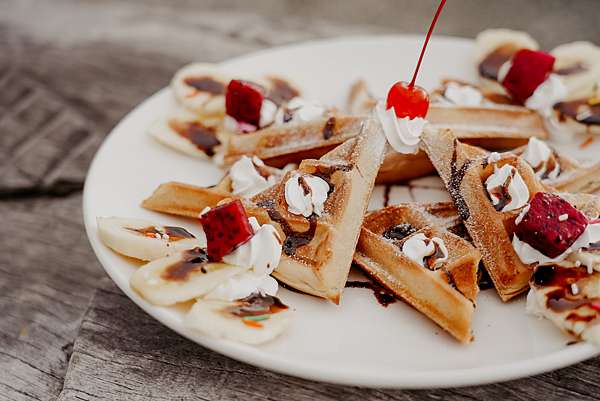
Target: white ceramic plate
358,342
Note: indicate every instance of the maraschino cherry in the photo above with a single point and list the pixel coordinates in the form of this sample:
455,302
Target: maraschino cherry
408,99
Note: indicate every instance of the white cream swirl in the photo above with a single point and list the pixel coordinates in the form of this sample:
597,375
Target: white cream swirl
537,154
530,255
418,247
403,134
301,110
268,113
546,95
246,181
260,255
509,183
306,194
463,95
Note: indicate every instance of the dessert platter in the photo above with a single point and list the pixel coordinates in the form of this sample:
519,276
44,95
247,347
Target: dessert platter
298,210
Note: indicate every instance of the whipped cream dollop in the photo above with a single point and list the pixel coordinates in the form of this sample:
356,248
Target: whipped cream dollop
419,249
260,256
246,180
299,110
403,134
503,70
268,112
306,194
530,255
545,96
463,95
507,189
541,158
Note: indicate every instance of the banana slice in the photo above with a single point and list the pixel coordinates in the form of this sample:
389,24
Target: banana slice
578,64
493,48
201,88
491,39
188,134
180,277
253,320
143,239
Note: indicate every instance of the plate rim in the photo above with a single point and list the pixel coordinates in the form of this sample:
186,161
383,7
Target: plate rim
399,379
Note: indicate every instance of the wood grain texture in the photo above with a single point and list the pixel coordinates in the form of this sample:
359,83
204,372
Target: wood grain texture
69,71
121,353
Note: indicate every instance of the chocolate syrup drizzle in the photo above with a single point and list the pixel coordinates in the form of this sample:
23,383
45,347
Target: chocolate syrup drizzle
490,65
201,136
577,108
329,128
399,231
256,305
572,69
205,84
383,296
191,261
174,233
281,91
501,192
456,177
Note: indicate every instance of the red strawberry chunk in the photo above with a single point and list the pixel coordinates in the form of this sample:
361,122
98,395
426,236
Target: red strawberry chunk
551,225
243,101
529,69
226,227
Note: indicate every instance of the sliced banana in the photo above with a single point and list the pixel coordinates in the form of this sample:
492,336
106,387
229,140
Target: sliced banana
493,48
578,64
223,319
188,134
143,239
489,40
181,277
200,88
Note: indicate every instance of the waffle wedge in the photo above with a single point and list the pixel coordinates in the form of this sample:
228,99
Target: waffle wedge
318,250
446,293
189,200
464,170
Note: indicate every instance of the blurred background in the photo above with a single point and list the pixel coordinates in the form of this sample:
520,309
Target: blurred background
70,69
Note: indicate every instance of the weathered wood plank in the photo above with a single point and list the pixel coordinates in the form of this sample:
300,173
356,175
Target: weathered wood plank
122,353
47,277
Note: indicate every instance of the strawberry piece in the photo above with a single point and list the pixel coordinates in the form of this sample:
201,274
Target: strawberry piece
226,227
545,226
529,69
243,101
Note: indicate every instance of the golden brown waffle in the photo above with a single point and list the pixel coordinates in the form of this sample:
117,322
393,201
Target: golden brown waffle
189,200
464,170
278,146
318,251
447,294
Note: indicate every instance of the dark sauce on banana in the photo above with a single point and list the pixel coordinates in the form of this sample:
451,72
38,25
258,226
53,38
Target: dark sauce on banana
205,84
203,137
192,260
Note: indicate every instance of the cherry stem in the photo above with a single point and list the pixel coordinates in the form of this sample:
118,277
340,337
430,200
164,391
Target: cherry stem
435,18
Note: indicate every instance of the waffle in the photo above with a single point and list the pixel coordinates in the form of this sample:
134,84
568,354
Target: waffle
464,170
278,146
492,126
189,200
318,251
446,295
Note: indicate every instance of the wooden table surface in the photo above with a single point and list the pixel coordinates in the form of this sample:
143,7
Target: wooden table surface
69,70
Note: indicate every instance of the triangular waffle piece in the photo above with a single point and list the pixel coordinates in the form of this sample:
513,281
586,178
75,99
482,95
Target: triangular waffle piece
292,143
464,169
445,292
318,250
189,200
